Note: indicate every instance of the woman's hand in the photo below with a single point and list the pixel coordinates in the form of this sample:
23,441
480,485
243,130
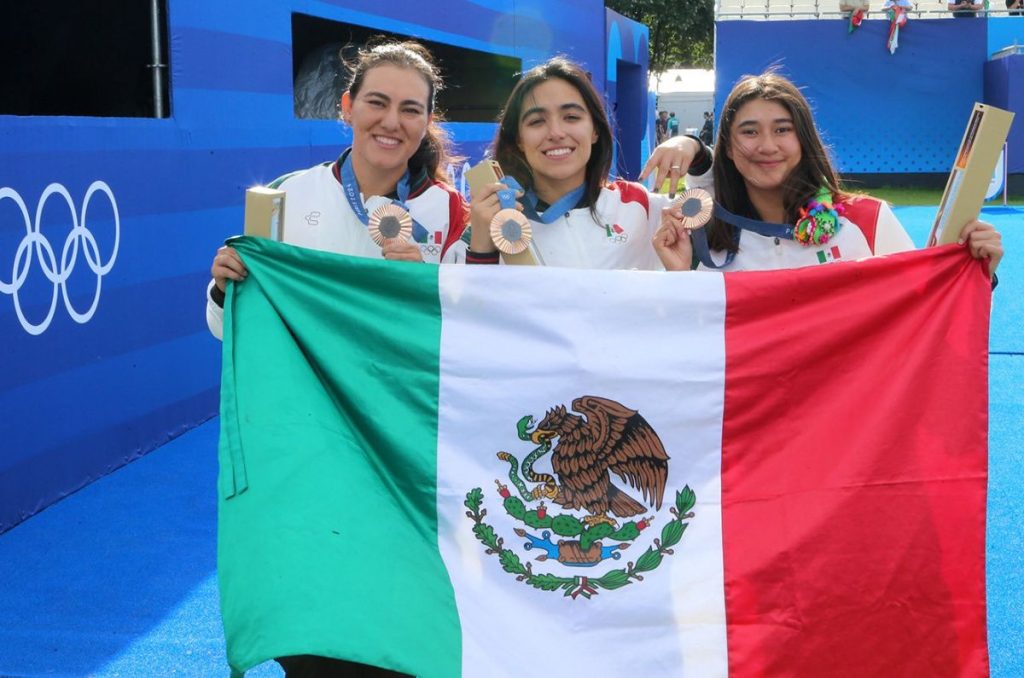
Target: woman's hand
672,242
671,160
227,265
481,211
396,249
984,242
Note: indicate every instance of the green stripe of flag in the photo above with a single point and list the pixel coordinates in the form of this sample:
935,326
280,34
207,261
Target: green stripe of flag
328,456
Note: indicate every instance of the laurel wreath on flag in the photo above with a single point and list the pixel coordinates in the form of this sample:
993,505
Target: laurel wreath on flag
649,561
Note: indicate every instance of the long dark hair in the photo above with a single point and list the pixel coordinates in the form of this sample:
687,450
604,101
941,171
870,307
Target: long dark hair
506,143
435,151
814,170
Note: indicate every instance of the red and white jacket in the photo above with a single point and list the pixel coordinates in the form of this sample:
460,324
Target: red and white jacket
317,215
628,215
868,228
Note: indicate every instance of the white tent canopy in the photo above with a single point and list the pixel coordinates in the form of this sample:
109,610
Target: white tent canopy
683,80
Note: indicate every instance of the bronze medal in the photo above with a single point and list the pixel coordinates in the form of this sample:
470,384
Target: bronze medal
389,222
510,231
696,205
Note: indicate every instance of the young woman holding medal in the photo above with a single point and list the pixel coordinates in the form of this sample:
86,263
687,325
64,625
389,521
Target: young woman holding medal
780,201
387,196
555,141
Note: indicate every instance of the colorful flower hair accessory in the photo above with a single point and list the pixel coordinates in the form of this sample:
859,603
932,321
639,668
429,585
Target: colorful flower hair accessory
819,219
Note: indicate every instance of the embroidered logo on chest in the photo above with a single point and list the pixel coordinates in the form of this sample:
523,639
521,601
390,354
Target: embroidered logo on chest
431,243
829,254
313,218
615,234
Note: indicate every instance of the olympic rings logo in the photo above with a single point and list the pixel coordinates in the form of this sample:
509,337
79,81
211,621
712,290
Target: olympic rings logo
430,249
35,244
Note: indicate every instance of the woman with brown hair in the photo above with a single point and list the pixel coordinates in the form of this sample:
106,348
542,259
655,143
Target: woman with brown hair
555,140
773,175
396,166
397,161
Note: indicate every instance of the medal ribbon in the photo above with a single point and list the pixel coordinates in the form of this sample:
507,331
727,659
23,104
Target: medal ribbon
507,196
557,209
818,223
739,224
350,186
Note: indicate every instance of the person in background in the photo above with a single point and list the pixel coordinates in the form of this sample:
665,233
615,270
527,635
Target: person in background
661,126
673,124
897,12
855,10
1016,7
398,157
555,140
965,9
770,165
707,131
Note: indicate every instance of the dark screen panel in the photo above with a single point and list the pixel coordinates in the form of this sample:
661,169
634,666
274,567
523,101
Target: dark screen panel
67,57
476,83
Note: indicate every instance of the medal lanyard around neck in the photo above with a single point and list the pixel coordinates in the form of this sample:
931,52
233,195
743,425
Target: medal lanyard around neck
557,209
350,186
738,224
507,195
818,223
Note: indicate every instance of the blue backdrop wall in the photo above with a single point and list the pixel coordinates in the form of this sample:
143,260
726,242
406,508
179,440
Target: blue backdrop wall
1004,87
111,223
627,92
880,112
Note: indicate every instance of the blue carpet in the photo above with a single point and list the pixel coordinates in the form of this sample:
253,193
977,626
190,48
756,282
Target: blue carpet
119,579
1007,334
1005,547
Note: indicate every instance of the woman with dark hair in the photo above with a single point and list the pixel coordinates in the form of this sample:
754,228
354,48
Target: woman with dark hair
397,161
554,138
771,166
395,167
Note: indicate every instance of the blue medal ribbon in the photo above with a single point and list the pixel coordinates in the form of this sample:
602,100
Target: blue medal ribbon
700,247
507,196
739,224
557,209
350,186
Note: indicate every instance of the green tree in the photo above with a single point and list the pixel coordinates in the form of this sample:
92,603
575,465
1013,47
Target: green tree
682,31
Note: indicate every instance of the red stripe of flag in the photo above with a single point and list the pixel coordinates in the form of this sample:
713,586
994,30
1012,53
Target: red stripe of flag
854,467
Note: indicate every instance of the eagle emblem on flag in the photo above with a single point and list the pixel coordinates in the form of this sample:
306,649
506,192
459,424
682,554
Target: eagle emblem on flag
594,452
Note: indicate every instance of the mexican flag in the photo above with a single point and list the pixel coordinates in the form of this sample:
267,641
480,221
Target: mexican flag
500,471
